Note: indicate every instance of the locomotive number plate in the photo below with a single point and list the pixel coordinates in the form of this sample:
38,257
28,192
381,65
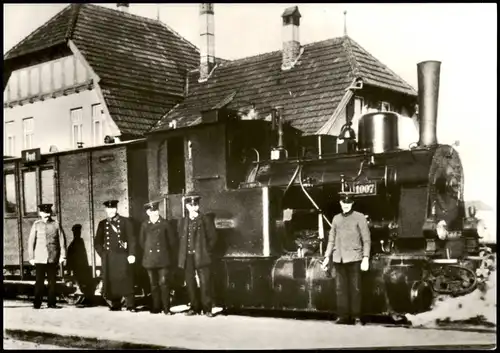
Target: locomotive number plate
364,188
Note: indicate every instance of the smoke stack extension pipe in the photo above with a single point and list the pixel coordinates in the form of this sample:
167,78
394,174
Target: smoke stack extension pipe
428,94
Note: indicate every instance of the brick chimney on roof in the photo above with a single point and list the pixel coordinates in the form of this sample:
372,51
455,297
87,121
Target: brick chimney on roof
123,6
291,41
207,37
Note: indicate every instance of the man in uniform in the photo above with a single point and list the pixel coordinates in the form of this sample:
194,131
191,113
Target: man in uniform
158,242
197,237
46,249
115,243
349,246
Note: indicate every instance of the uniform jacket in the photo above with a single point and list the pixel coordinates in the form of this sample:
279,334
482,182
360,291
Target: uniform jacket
46,243
349,238
204,241
158,243
114,242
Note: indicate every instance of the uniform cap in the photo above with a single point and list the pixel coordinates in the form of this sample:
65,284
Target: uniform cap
191,196
152,205
45,207
346,197
111,203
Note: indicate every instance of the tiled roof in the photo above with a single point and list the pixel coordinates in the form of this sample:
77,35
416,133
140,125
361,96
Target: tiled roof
126,52
373,72
310,92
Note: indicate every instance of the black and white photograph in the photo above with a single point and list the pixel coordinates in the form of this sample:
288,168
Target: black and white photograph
249,176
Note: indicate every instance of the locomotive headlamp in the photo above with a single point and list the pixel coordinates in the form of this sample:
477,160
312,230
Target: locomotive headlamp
442,230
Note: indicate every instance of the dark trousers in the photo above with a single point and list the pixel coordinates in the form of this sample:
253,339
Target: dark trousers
51,271
160,288
205,286
116,302
348,287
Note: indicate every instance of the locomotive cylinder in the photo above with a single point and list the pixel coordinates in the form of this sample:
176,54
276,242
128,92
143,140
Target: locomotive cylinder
428,95
378,132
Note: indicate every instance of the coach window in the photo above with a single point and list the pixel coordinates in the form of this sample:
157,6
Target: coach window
29,192
47,185
10,194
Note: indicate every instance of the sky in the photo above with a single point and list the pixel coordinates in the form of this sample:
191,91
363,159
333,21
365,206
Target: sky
462,36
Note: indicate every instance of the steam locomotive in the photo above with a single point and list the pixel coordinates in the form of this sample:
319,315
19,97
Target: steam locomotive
273,216
274,225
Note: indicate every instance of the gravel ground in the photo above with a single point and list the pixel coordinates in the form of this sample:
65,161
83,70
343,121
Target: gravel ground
9,343
224,332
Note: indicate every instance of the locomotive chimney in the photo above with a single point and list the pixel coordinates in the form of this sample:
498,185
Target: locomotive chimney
428,95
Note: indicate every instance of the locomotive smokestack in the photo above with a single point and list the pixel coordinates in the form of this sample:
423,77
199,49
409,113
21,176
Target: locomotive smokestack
428,95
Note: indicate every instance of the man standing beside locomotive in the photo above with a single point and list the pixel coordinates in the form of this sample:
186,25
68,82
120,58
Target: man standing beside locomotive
197,240
349,248
46,248
158,242
115,243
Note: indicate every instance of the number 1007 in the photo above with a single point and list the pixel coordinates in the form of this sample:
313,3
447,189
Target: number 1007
364,189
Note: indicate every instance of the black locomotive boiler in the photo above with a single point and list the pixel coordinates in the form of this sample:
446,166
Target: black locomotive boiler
274,226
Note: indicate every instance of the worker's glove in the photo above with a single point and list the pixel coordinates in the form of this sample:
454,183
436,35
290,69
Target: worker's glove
131,259
61,260
365,264
325,263
32,262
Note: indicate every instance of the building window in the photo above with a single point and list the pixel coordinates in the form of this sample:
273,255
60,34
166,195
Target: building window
10,139
385,107
29,192
359,106
76,126
47,185
28,132
10,193
11,145
97,124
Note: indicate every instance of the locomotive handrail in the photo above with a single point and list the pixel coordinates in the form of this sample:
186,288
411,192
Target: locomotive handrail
310,198
293,178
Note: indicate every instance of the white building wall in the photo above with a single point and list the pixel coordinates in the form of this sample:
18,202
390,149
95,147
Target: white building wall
52,118
52,123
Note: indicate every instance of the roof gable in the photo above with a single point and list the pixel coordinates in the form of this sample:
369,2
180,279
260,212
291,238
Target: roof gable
137,59
310,93
373,72
53,32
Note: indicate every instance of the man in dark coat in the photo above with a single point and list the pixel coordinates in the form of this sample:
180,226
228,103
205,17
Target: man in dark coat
197,238
349,245
158,243
115,243
46,249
